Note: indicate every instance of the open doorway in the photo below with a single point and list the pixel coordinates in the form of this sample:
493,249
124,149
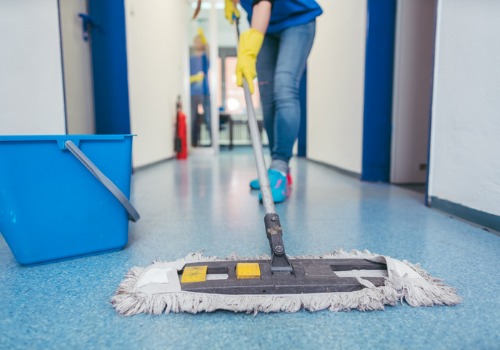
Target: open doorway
77,66
223,117
413,70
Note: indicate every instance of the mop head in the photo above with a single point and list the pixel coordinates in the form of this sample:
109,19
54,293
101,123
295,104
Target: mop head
157,290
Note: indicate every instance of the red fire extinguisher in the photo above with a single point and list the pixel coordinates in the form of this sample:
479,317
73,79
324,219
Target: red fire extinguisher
180,132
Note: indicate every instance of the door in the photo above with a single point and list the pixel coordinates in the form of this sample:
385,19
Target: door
211,20
412,90
77,68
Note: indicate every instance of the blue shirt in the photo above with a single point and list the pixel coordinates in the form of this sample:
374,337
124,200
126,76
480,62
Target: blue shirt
287,13
199,64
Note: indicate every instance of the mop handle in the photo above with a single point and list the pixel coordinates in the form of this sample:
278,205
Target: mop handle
265,188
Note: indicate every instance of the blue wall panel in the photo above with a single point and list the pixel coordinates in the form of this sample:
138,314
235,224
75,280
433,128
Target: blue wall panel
302,139
378,90
109,61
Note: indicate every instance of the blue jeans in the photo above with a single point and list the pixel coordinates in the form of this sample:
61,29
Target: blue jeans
196,100
280,66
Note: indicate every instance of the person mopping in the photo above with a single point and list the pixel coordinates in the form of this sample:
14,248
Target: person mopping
200,93
275,49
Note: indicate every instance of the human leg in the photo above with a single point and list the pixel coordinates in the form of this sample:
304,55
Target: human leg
207,113
294,48
195,129
266,66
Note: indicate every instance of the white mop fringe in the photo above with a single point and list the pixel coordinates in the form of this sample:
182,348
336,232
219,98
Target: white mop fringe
422,291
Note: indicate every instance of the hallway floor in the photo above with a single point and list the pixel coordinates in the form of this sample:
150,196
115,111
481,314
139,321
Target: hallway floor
205,204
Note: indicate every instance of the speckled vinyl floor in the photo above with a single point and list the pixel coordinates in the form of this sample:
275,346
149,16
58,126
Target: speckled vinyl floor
205,203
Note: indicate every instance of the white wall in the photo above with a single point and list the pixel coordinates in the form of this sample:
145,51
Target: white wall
414,54
31,87
335,85
157,52
465,134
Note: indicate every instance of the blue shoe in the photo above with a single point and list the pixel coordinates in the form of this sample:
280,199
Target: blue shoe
255,185
279,186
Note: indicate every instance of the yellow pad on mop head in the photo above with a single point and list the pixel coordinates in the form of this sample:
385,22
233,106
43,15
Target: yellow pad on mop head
247,270
193,274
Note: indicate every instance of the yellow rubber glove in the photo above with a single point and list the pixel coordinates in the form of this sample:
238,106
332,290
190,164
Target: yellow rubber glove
230,9
248,49
202,36
197,78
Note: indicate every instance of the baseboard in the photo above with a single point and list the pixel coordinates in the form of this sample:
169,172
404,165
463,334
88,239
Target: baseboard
486,220
337,169
142,167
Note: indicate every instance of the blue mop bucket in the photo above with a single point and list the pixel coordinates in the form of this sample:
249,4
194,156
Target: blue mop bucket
65,196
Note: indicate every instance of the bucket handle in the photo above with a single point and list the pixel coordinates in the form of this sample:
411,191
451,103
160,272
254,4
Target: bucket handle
133,215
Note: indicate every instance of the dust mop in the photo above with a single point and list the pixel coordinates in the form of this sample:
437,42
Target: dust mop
338,281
